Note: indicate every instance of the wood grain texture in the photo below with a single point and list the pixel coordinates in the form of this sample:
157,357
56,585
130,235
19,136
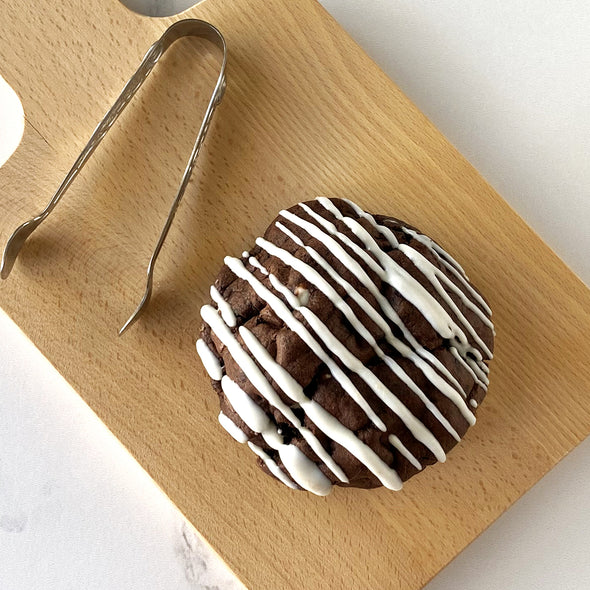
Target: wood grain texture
306,113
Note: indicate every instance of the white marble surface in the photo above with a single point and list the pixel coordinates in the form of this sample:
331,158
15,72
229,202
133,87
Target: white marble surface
76,510
12,121
159,7
508,84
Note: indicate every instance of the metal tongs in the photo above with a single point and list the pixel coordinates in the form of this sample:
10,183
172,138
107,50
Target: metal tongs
182,28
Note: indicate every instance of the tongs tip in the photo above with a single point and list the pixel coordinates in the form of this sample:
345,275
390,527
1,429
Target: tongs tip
142,304
127,324
11,250
5,268
132,318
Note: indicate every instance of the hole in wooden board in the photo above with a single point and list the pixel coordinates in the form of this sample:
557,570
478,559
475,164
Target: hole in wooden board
159,7
12,121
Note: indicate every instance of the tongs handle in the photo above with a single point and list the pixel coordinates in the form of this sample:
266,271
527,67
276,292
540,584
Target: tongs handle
213,102
187,27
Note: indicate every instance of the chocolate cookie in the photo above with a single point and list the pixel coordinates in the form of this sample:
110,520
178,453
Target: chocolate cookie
346,349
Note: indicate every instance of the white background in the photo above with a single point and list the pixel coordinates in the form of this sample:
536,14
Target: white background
509,84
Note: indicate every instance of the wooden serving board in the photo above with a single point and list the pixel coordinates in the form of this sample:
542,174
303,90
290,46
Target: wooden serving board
306,113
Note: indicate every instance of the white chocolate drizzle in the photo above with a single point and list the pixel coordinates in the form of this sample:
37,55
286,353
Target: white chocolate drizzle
272,466
387,310
254,262
370,244
301,469
399,445
233,429
319,416
356,269
396,276
442,255
209,360
285,314
260,368
227,313
352,363
314,277
248,410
